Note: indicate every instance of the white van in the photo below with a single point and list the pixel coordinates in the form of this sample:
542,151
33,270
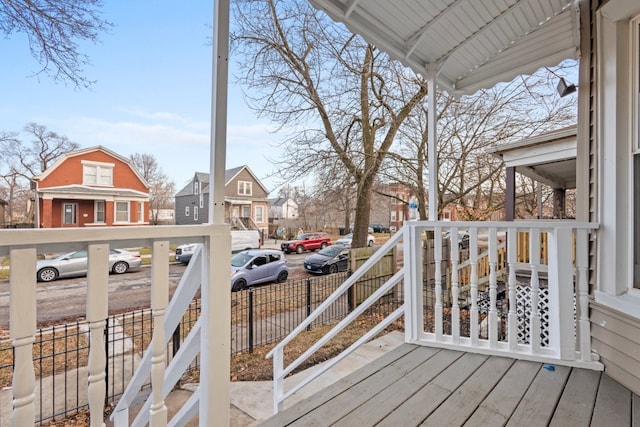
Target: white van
240,241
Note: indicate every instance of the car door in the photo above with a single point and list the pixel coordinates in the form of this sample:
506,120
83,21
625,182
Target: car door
73,264
259,271
343,260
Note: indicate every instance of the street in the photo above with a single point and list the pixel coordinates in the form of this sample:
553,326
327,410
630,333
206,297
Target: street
65,299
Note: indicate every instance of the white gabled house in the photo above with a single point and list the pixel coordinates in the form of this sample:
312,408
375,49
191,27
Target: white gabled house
588,271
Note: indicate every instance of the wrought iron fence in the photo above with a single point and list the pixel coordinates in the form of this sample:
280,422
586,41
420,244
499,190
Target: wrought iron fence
259,316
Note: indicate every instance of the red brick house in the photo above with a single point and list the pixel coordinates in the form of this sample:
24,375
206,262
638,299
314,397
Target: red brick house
91,187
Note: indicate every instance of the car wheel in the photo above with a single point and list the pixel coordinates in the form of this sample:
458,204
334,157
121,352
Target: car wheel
239,285
282,276
47,274
333,268
323,245
120,267
299,249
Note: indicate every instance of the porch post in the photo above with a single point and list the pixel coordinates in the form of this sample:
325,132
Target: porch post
216,292
432,144
510,202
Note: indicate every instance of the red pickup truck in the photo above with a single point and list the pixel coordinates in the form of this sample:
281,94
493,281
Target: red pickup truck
306,242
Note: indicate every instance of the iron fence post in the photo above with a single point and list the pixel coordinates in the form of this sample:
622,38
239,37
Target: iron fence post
308,286
351,295
106,364
250,295
176,340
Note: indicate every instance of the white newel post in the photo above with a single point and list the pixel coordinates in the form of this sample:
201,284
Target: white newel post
159,301
22,330
561,291
473,257
455,307
582,293
97,312
437,259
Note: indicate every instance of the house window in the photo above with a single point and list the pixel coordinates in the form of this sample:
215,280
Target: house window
244,188
140,212
393,216
246,211
99,211
201,201
259,213
69,213
195,213
186,211
196,187
94,173
122,211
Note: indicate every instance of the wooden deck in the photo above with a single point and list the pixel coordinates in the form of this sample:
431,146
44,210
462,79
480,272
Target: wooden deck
414,385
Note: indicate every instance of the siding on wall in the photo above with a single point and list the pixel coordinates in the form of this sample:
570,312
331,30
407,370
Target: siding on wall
616,338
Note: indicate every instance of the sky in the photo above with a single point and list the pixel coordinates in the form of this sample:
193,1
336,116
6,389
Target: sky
152,92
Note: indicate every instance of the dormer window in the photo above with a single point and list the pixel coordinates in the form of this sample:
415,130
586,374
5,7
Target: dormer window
97,173
196,187
244,188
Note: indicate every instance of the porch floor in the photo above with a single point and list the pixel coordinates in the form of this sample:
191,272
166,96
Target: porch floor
415,385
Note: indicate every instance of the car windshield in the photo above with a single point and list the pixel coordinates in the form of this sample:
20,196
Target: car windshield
238,260
330,251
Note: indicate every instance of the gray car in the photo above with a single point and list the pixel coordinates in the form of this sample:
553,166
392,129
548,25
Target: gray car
76,264
256,266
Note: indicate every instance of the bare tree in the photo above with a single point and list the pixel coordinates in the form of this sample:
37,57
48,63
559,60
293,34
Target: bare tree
55,28
161,189
343,100
23,161
467,176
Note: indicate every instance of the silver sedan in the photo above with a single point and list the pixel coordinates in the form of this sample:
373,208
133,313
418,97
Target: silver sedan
75,264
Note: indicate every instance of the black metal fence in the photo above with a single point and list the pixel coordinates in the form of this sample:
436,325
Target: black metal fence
259,316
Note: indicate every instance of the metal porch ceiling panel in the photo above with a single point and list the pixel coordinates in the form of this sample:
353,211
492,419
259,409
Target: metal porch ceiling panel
472,44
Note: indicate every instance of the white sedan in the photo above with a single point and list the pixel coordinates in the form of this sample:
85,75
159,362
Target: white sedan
76,264
346,240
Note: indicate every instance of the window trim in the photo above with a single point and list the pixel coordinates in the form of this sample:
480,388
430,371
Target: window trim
245,185
115,212
187,212
140,212
74,213
195,213
96,211
261,218
99,167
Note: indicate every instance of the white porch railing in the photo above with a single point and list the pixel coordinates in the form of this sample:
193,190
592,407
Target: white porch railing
210,269
442,306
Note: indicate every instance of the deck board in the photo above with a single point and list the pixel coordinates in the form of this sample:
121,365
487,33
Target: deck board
337,408
613,404
497,408
415,409
578,399
464,401
413,385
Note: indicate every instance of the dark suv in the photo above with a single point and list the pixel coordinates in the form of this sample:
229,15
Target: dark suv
306,242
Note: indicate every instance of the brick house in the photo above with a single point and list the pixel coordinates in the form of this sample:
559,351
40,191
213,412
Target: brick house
245,203
91,187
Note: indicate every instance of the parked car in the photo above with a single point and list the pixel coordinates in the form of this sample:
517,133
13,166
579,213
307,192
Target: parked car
76,264
306,242
378,228
328,260
257,266
346,240
240,240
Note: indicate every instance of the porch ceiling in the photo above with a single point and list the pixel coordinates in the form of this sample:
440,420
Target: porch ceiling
549,158
471,44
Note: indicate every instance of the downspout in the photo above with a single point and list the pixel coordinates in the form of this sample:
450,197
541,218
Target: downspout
432,143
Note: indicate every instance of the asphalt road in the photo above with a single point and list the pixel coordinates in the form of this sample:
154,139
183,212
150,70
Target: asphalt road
65,299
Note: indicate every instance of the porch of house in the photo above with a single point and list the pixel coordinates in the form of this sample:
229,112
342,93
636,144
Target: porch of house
420,385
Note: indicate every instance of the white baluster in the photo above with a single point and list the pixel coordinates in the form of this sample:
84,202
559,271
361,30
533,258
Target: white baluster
473,257
22,330
437,259
493,288
159,301
534,262
97,312
455,308
512,326
582,306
